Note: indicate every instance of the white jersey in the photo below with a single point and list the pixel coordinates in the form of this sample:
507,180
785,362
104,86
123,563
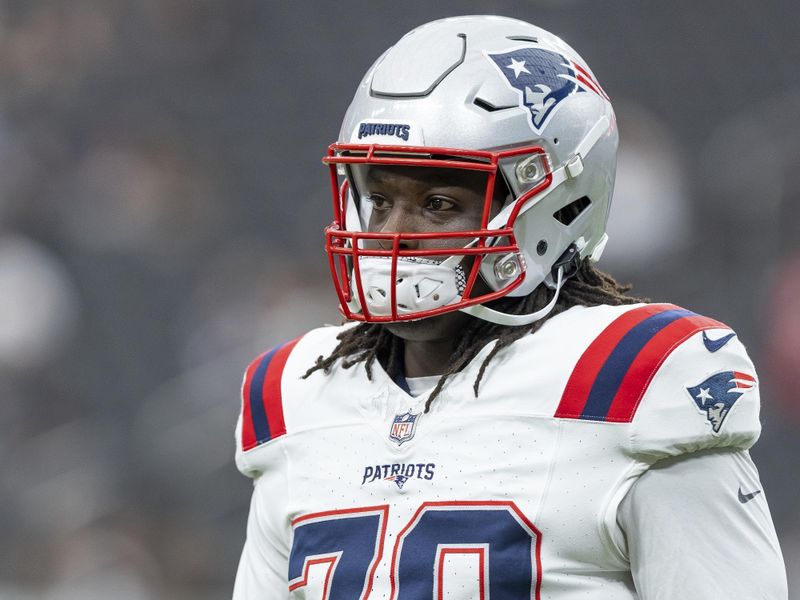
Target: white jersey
511,495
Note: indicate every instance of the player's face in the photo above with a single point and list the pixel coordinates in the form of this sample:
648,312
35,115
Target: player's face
416,200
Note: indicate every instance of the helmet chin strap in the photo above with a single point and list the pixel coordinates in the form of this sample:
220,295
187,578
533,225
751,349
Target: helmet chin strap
500,318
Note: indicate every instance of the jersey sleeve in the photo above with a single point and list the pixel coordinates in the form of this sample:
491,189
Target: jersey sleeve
261,454
683,383
264,563
261,418
698,526
702,394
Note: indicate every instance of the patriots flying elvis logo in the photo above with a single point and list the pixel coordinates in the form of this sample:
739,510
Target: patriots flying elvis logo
543,79
716,395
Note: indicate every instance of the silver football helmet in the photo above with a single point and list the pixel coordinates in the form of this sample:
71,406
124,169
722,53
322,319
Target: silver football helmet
488,94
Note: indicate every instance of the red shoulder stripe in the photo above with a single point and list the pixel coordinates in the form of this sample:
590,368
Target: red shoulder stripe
649,360
248,432
272,394
586,370
262,397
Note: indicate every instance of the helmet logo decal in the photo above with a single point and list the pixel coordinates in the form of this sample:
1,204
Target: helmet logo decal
400,130
387,131
543,79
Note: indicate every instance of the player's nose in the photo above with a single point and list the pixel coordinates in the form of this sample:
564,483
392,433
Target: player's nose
401,219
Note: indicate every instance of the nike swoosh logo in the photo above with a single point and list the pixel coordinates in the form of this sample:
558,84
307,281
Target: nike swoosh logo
714,345
745,498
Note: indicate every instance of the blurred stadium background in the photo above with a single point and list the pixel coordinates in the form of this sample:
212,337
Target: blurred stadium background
161,203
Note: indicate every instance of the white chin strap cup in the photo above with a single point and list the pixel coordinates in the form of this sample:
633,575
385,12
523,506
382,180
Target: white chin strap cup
420,284
500,318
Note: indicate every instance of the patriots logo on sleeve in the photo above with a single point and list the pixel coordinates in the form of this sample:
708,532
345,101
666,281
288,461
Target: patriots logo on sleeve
717,394
543,79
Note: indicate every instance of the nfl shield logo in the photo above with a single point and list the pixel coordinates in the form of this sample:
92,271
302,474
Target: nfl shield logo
403,427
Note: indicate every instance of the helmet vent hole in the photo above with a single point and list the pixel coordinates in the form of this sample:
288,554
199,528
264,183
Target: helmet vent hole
541,247
488,106
376,294
572,211
555,141
523,38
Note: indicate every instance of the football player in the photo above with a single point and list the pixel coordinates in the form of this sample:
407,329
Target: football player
496,418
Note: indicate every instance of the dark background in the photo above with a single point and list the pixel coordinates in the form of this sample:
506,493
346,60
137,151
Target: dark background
161,206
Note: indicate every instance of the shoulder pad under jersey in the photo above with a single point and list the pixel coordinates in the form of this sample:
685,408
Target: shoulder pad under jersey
683,381
704,395
261,418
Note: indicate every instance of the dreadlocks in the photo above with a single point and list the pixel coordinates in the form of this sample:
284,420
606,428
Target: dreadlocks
368,342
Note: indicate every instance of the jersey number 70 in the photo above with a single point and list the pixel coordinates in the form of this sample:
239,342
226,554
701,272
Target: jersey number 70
505,543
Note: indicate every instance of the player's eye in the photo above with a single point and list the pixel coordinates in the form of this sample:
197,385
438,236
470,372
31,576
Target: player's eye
439,203
378,202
